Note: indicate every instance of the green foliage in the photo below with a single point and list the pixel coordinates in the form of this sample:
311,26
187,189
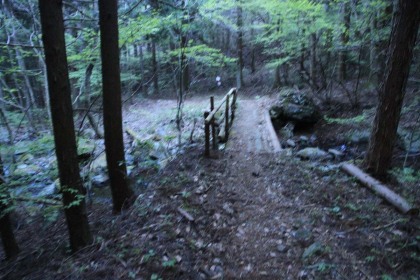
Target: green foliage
346,121
406,175
78,197
148,256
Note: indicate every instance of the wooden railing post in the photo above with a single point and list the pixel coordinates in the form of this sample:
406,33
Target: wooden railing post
227,118
213,125
233,107
207,135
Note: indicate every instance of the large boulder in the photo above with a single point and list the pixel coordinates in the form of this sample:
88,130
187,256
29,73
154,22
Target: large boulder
295,106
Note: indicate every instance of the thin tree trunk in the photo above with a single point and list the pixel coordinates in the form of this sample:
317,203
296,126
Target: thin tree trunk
391,92
10,245
22,66
122,195
141,58
62,118
240,46
342,54
227,42
155,69
277,77
6,124
373,66
313,66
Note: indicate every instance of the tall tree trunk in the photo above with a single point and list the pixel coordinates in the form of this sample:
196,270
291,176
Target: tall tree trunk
391,93
155,69
373,66
227,42
122,195
252,53
277,77
185,75
344,38
10,245
141,61
62,118
383,44
240,46
22,66
313,66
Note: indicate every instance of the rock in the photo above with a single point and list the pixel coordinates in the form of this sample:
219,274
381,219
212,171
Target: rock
100,180
23,170
312,154
303,237
295,106
291,143
315,248
282,248
409,140
335,153
99,162
50,189
85,146
359,137
303,139
286,132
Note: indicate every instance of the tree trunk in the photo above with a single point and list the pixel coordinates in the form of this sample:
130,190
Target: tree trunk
383,44
313,66
62,118
342,54
391,92
227,42
122,195
373,66
185,75
10,245
155,69
240,46
277,77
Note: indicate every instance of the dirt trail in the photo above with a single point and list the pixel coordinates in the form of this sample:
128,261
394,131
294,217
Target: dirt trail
253,206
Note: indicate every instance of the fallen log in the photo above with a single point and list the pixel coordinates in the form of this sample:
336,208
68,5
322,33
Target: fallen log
48,201
400,203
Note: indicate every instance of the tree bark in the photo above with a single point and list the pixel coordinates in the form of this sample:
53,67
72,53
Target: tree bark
122,195
155,69
10,245
63,125
313,66
391,92
342,54
277,77
240,46
185,75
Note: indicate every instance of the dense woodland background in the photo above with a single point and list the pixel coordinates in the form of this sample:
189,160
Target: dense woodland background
335,51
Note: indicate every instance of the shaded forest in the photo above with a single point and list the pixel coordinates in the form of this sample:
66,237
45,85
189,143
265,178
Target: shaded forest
105,170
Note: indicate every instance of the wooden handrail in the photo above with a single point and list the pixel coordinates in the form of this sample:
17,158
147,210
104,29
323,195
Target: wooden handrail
210,120
214,111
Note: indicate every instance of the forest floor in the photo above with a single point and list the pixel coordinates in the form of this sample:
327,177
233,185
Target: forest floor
243,213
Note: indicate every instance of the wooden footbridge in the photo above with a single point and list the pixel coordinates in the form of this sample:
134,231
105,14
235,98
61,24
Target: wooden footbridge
249,129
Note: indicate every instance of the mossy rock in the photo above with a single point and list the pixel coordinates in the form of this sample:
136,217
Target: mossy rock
295,106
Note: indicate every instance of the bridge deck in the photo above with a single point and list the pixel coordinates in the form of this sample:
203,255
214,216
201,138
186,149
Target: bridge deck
250,131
